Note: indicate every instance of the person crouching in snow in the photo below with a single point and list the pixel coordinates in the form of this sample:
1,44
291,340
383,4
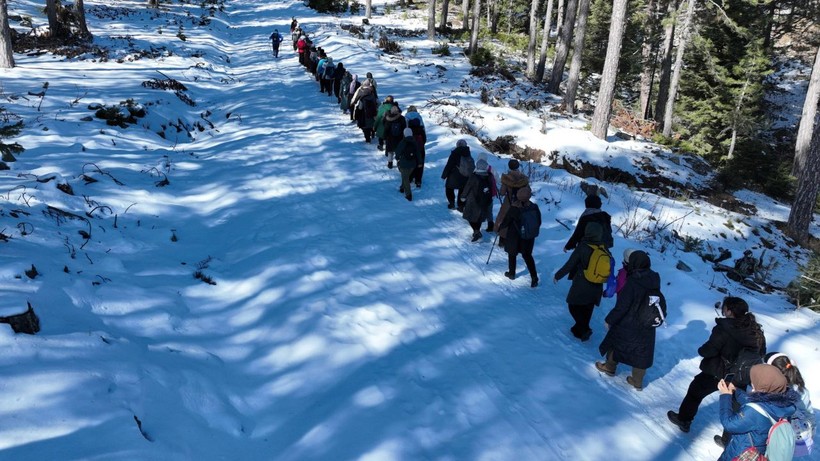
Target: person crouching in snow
518,242
407,159
475,197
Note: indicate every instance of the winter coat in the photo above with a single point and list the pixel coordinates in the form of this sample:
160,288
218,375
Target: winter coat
454,179
390,121
301,46
405,147
344,104
413,116
320,66
475,210
582,291
364,94
384,109
275,38
591,215
511,182
420,135
513,243
748,427
727,339
630,342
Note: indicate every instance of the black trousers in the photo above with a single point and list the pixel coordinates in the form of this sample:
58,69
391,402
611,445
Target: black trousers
582,314
701,386
451,196
416,175
530,262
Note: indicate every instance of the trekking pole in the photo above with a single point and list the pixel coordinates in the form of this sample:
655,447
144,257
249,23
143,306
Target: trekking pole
491,249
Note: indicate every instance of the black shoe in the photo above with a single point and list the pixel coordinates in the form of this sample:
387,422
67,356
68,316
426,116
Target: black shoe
450,206
585,336
409,198
501,241
390,165
682,425
490,227
719,441
381,147
401,189
510,275
460,208
418,185
534,283
476,236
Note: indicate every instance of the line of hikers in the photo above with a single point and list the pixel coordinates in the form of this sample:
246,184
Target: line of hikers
778,390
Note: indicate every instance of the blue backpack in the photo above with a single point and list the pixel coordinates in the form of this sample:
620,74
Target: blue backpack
529,228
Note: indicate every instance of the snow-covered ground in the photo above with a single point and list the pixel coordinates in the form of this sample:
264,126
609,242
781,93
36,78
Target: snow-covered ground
345,323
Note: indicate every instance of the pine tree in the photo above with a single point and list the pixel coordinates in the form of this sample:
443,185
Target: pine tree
606,92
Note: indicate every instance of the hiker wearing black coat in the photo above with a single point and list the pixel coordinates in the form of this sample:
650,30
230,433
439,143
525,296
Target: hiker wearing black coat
627,341
407,159
515,243
592,213
583,295
453,179
737,329
474,198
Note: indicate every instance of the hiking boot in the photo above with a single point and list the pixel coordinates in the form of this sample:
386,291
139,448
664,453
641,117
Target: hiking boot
401,189
418,185
636,385
534,282
490,226
510,275
719,441
585,336
409,198
476,236
450,206
601,366
675,418
381,147
390,165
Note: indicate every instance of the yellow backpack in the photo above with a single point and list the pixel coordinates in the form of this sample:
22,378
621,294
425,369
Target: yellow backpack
600,264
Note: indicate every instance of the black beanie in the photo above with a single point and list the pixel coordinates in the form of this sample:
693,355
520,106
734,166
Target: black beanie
592,201
513,164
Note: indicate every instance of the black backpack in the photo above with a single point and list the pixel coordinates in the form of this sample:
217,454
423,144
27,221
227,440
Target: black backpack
466,165
529,228
370,108
652,309
395,129
742,366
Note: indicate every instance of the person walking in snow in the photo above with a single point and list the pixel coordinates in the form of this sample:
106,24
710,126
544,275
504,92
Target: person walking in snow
416,123
493,192
369,78
344,95
592,213
365,104
407,160
301,48
475,197
516,243
294,24
511,183
351,93
583,294
338,77
295,35
394,125
455,173
384,109
628,341
275,41
748,426
328,74
736,329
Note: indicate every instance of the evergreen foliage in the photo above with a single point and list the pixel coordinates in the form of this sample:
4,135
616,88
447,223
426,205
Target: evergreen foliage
328,6
805,290
10,126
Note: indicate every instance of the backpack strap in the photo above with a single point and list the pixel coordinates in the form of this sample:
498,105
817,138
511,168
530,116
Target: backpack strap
774,422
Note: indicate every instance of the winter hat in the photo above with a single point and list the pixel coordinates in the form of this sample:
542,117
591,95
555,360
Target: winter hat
389,98
767,378
592,201
407,132
593,232
369,75
461,143
513,164
628,252
524,194
395,110
638,260
481,165
412,109
482,156
366,84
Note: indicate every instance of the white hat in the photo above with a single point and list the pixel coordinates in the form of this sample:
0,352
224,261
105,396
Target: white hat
481,165
408,132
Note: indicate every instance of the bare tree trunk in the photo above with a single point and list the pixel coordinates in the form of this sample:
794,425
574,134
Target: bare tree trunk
6,52
545,42
533,38
465,14
80,7
368,9
736,118
476,23
562,48
559,20
666,59
54,25
577,53
445,6
801,147
648,60
496,15
606,93
676,71
805,197
431,19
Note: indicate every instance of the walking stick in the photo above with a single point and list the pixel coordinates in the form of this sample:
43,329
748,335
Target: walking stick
491,249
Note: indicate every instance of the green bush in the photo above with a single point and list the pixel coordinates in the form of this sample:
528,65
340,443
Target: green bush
805,289
481,57
328,6
442,49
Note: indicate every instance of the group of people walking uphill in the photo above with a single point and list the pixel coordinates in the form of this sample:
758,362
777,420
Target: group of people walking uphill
471,189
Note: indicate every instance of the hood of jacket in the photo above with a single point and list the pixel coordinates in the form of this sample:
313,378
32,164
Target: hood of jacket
593,233
463,151
515,179
745,337
779,405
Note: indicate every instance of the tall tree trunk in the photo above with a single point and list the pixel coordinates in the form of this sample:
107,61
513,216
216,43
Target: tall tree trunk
54,26
801,147
431,19
805,197
562,48
79,6
545,42
476,24
770,19
676,71
368,9
496,15
6,52
648,58
445,6
533,38
606,93
577,53
559,20
666,59
465,14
